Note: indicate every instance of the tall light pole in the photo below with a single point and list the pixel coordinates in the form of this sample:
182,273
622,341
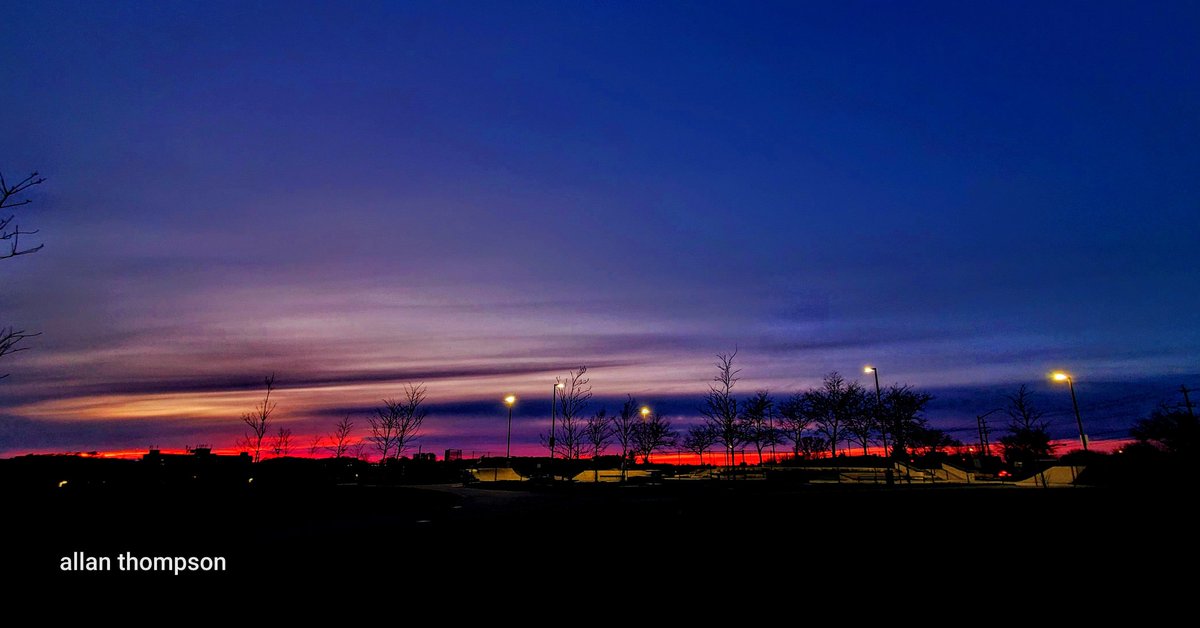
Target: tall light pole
509,401
645,413
878,404
1060,376
554,414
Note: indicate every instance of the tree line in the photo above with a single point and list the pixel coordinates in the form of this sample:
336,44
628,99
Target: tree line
833,418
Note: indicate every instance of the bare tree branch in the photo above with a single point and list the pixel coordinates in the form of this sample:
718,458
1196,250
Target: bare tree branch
398,423
259,420
570,438
653,433
281,444
624,424
720,407
758,423
598,431
9,336
8,229
796,416
699,439
9,339
340,438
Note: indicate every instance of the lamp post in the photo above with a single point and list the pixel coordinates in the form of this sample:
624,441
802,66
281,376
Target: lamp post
1060,376
509,401
878,404
553,418
645,411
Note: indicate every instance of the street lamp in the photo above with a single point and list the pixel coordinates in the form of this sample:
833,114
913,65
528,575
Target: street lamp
554,414
645,411
1060,376
878,403
509,401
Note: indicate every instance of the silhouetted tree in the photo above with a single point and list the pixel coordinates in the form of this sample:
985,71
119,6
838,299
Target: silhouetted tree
10,233
902,413
571,437
653,433
1170,430
720,407
837,402
315,445
758,422
1028,435
398,423
259,420
624,425
859,414
340,438
931,440
796,416
281,444
1021,411
811,446
699,439
360,450
598,432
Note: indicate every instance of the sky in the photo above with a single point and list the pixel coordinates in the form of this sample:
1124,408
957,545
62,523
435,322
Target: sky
480,196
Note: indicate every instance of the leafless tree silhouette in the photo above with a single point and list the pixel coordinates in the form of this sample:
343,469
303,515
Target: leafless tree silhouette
861,423
340,438
796,416
598,432
699,439
758,422
9,339
1028,435
315,445
653,433
624,424
10,233
571,438
259,420
837,402
901,412
720,407
811,446
1022,412
281,444
398,423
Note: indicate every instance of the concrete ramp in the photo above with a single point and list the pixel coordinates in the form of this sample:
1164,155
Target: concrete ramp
954,474
1056,476
609,475
496,474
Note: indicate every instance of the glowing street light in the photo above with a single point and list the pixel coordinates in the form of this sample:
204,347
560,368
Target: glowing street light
1060,376
645,412
509,401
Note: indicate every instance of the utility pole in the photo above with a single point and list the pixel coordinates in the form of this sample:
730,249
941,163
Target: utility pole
985,431
981,423
1187,401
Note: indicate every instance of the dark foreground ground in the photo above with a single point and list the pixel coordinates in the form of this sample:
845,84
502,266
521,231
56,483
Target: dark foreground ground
698,534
